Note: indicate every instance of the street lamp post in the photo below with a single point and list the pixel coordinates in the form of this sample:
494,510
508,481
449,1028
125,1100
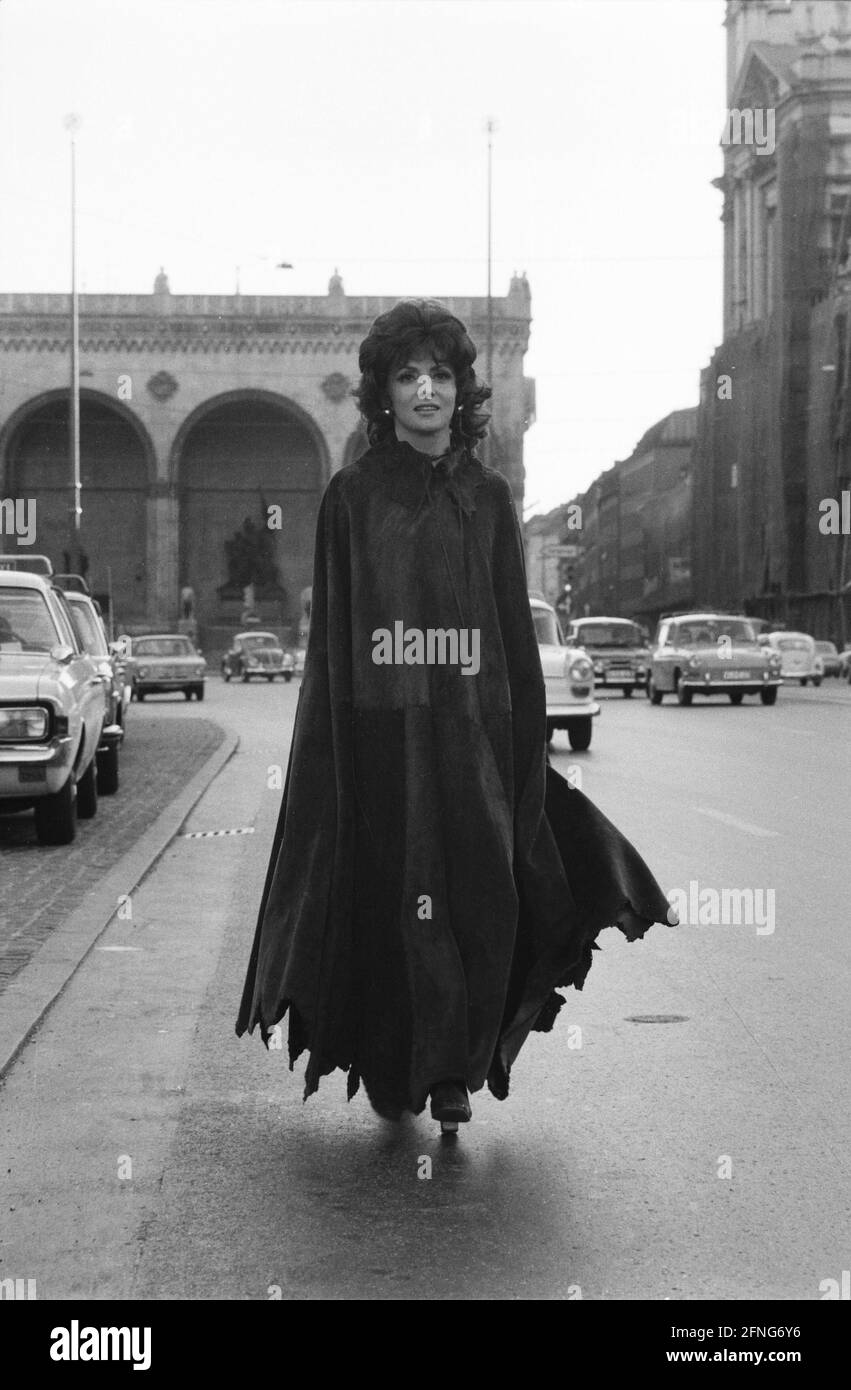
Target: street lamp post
490,127
72,125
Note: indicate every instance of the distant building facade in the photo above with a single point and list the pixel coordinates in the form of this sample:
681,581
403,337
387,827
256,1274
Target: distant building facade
199,414
637,523
774,427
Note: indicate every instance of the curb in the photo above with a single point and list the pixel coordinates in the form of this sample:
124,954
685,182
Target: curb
38,986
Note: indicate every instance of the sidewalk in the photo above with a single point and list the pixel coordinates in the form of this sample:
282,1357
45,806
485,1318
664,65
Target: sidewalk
58,901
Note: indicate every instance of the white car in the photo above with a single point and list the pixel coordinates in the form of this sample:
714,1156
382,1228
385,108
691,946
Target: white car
53,710
569,679
799,659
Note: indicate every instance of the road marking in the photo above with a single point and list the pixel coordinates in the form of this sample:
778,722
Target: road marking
119,948
214,834
744,825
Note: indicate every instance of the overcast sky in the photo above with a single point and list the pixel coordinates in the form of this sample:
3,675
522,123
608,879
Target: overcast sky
218,133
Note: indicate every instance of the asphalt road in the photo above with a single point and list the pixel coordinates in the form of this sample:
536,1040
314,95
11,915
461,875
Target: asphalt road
145,1151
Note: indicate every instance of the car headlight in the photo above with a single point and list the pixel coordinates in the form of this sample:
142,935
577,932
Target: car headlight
580,670
693,662
23,722
143,671
598,668
199,670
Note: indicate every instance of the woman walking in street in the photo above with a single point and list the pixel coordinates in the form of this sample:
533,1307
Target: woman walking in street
432,879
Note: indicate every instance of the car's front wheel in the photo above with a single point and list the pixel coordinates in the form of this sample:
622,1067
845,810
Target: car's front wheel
225,673
769,695
87,792
653,695
627,690
56,815
736,697
579,733
803,680
683,695
816,681
288,675
199,692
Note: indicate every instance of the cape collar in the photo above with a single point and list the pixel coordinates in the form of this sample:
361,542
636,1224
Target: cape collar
409,475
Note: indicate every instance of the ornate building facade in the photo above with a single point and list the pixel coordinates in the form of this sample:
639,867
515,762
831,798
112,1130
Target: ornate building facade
773,433
198,414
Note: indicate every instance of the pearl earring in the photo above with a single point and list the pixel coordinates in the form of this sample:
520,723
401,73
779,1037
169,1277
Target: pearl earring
387,410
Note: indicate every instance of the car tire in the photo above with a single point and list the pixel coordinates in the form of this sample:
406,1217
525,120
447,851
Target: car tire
803,680
225,674
288,675
199,692
245,678
579,732
816,681
56,816
683,695
736,697
187,692
769,696
140,695
627,691
107,777
654,696
270,679
87,792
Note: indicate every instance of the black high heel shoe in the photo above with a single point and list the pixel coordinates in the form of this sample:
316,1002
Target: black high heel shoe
450,1105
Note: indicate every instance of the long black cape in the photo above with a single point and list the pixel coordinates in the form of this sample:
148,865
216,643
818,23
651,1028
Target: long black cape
432,878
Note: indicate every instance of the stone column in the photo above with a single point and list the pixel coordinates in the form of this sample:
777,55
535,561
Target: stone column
163,541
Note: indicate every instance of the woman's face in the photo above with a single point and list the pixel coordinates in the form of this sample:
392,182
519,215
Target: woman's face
422,395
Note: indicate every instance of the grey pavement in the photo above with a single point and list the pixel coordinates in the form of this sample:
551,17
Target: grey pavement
42,884
147,1152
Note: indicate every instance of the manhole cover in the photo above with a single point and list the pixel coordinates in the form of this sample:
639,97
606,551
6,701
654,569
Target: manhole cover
657,1018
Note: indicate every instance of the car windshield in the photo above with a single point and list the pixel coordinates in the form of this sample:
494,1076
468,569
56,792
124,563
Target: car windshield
163,646
547,629
705,632
608,635
827,648
793,644
26,624
88,629
259,639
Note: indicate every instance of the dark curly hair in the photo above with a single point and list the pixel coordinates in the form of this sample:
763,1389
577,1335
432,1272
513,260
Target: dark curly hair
392,340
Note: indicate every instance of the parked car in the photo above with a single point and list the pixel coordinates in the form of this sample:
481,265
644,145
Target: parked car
71,583
617,648
845,664
798,656
257,654
27,564
569,678
91,633
711,654
164,662
831,664
53,710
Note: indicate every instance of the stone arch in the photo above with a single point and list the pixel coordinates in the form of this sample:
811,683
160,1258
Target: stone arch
117,466
235,457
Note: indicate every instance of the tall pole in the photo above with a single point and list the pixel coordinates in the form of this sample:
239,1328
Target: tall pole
72,124
491,127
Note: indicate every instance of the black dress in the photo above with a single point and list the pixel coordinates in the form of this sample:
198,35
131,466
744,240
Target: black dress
432,878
